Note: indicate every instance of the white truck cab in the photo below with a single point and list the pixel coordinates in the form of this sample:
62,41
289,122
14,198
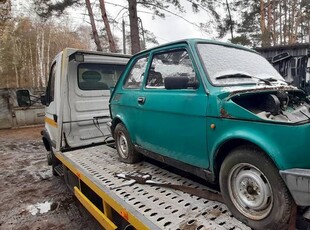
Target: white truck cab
77,99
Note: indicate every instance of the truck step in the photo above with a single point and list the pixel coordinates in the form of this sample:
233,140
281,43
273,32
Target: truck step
59,170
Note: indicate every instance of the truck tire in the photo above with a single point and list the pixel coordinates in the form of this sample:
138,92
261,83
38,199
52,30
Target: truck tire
124,146
49,157
253,189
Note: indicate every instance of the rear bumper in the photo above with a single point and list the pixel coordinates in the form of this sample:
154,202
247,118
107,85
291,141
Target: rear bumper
298,183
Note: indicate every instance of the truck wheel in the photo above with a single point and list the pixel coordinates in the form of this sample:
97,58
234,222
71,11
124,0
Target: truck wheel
253,189
49,157
124,145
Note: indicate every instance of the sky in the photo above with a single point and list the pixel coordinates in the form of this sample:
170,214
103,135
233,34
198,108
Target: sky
169,29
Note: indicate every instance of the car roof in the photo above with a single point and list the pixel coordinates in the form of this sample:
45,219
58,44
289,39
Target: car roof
193,41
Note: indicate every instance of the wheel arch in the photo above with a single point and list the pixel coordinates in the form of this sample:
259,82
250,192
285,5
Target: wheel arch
116,120
228,145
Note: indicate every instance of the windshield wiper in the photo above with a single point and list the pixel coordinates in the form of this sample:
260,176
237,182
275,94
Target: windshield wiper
242,75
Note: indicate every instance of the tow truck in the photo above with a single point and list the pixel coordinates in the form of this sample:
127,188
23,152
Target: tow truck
145,195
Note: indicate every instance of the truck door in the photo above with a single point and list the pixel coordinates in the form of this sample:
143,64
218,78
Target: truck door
52,101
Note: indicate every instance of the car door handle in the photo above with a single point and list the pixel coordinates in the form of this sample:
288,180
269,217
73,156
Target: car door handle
141,100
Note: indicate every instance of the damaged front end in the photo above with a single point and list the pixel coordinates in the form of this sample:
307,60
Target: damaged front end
285,105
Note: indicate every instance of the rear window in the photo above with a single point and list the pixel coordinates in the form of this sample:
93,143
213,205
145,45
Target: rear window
93,76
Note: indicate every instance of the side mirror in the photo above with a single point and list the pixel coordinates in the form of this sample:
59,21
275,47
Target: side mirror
23,98
43,99
180,82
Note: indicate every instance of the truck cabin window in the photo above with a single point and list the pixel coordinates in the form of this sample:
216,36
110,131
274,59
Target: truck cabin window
93,76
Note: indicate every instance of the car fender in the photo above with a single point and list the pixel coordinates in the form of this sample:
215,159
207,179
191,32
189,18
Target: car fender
252,136
120,118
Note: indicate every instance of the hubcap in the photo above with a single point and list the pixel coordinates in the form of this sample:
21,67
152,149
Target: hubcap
250,191
122,145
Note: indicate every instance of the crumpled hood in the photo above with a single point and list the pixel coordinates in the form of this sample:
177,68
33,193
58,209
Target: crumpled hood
275,103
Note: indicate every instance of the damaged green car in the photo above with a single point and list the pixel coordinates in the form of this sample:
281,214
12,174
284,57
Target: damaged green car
223,113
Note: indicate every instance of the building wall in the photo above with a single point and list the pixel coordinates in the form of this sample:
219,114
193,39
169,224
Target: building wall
11,115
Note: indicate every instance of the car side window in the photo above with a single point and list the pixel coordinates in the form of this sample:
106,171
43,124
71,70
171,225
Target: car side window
175,63
135,77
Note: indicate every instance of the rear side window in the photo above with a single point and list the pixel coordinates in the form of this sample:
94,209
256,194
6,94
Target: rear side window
93,76
175,63
135,77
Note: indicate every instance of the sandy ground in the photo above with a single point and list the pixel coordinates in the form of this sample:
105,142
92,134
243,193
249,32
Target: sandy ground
30,196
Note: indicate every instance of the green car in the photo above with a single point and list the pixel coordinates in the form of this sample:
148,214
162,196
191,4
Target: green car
221,112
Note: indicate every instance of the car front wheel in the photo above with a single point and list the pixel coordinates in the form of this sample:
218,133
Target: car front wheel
253,189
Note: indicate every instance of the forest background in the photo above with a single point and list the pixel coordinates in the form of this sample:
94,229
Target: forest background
31,36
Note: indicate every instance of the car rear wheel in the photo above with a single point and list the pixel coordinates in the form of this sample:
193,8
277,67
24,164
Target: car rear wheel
124,145
253,190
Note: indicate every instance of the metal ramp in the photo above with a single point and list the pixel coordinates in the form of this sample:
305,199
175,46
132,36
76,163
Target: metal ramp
156,207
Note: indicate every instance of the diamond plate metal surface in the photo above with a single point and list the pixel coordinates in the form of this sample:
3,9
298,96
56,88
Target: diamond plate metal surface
165,208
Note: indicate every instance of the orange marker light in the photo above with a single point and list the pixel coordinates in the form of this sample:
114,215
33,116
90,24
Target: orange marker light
124,214
212,126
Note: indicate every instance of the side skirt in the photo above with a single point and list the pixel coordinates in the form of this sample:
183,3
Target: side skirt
200,172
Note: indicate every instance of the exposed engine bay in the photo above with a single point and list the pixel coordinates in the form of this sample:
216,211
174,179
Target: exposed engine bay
287,106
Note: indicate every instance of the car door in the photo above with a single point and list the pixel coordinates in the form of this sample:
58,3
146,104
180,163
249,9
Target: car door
126,98
172,122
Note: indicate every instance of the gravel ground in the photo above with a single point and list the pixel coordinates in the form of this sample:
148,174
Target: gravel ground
30,196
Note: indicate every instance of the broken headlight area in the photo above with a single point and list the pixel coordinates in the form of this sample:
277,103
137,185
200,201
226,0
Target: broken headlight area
283,106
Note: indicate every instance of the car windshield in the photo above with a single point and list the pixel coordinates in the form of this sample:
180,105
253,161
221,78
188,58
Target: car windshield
232,66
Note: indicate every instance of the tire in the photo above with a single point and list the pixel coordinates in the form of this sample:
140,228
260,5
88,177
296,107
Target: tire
124,146
253,189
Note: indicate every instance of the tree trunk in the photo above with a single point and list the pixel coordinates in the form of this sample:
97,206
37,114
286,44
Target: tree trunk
280,23
269,23
48,56
274,19
107,26
285,21
262,22
134,28
289,25
31,72
93,25
42,58
230,21
309,30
